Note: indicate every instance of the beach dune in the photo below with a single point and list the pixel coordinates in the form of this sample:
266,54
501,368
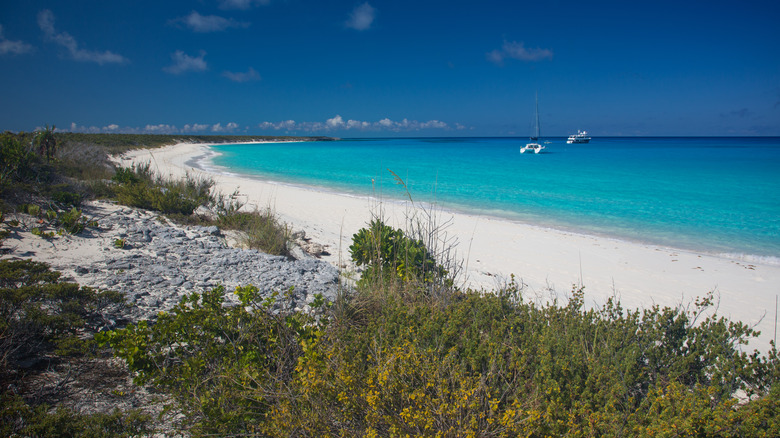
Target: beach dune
547,262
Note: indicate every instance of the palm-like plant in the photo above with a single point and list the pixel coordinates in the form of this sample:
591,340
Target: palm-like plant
45,143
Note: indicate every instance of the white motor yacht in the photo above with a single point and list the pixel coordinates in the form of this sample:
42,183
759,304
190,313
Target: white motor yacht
579,137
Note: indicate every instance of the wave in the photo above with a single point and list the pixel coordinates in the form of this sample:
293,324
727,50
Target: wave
751,258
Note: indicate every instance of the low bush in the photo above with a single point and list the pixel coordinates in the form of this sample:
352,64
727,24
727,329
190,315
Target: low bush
494,365
389,362
261,230
18,418
43,323
224,365
71,221
387,359
65,198
40,314
64,221
84,161
139,187
388,254
18,161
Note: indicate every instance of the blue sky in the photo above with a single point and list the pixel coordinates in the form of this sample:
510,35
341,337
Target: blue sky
392,68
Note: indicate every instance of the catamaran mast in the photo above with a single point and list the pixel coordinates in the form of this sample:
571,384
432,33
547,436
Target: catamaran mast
535,136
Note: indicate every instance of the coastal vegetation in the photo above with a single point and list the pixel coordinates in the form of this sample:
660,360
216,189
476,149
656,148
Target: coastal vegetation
405,352
138,186
47,323
48,174
118,143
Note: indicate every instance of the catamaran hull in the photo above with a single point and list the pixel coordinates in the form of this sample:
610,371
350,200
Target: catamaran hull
535,148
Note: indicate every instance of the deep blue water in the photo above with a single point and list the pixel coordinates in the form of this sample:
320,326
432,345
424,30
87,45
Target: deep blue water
719,195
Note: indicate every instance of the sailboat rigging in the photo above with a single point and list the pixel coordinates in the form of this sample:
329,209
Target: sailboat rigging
534,146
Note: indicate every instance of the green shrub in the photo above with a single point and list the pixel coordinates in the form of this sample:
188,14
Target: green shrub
45,142
45,320
482,365
31,209
17,418
162,199
388,253
262,230
224,365
125,175
493,365
17,161
66,199
83,161
138,187
39,313
70,221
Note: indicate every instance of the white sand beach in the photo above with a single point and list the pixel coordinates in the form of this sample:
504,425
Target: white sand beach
548,262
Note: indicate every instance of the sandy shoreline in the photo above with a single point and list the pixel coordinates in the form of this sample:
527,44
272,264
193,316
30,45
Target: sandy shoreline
546,261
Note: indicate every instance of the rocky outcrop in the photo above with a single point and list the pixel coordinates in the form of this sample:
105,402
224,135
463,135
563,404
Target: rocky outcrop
154,263
159,263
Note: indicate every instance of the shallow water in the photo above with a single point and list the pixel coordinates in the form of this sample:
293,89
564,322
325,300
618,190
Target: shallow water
717,195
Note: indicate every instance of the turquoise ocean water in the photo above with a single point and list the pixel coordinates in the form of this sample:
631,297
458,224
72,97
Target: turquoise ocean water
716,195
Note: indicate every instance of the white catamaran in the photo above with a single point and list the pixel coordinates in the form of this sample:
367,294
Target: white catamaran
533,146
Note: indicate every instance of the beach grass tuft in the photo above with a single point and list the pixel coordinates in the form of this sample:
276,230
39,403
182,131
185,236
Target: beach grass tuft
139,187
260,229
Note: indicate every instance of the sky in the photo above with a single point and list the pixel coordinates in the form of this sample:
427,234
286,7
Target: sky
392,68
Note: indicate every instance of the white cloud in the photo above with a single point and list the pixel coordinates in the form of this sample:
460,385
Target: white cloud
241,4
355,124
184,63
208,23
247,76
230,127
111,128
515,50
195,127
337,123
90,129
13,47
161,128
433,124
64,39
287,125
361,17
386,123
